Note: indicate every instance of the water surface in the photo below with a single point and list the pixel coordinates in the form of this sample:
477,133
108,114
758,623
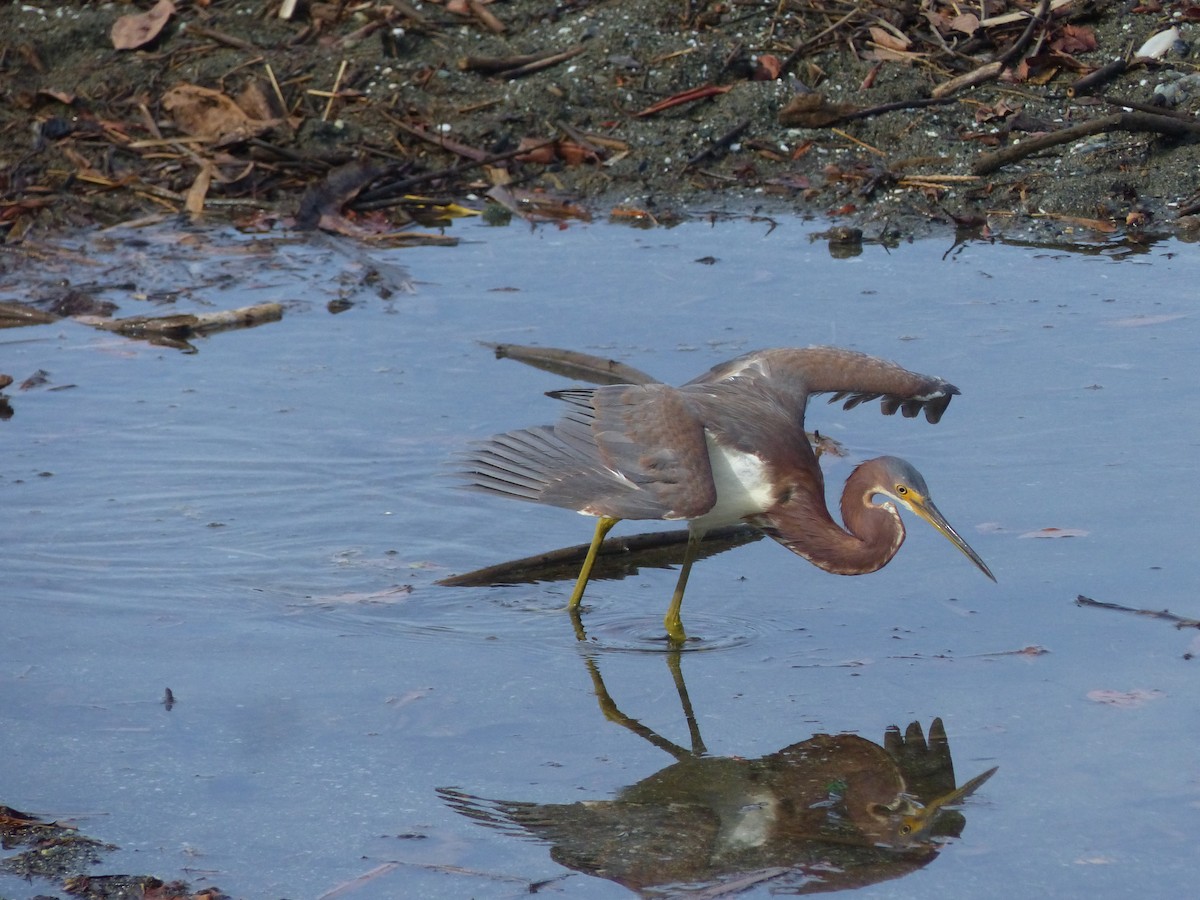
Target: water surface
260,525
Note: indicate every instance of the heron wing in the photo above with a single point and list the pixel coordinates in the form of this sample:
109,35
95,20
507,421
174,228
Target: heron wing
623,451
650,438
851,377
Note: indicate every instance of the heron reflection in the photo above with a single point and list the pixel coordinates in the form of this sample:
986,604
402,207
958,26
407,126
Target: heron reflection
831,812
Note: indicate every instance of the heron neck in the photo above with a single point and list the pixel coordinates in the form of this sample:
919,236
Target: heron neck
872,535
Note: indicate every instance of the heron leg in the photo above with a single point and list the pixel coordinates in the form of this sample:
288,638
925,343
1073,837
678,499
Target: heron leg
603,526
675,633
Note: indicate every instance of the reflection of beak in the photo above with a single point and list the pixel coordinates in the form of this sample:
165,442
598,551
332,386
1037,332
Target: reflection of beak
926,510
917,824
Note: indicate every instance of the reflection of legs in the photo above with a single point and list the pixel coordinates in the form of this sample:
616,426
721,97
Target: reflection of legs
674,660
613,714
603,526
675,632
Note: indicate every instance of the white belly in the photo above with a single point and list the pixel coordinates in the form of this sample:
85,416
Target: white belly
742,487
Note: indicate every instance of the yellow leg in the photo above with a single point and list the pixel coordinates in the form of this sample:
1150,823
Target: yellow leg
675,632
603,526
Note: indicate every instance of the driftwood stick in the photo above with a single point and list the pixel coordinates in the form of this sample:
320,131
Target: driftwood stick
1097,79
1180,621
1126,121
968,79
13,314
627,551
439,140
548,62
494,65
187,324
1124,103
516,66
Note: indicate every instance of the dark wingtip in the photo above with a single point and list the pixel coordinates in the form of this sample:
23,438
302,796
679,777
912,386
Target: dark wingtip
937,406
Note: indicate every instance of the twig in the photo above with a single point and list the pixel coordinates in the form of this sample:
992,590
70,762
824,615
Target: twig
438,140
221,37
1018,48
852,139
919,103
337,83
390,194
720,144
1098,78
517,66
1180,621
803,46
486,17
968,79
1125,103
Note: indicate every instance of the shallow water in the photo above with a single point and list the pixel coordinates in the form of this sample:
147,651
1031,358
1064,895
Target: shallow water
260,525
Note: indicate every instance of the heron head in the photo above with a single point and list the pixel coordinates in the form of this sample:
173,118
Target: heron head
897,480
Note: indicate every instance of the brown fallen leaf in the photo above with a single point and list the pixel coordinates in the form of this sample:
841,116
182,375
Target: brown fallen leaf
208,114
131,32
1074,39
540,151
967,23
768,68
194,201
888,40
814,111
1055,533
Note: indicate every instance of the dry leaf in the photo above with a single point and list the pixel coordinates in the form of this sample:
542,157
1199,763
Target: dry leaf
194,202
768,68
967,23
1001,110
1055,533
131,32
1075,39
539,151
884,38
259,103
205,113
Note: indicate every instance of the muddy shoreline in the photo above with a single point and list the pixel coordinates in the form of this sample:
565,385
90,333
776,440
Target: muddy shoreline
367,118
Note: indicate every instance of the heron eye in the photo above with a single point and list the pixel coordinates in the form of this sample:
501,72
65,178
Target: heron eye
901,490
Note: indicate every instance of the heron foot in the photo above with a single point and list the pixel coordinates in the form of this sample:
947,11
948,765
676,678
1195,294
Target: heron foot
676,636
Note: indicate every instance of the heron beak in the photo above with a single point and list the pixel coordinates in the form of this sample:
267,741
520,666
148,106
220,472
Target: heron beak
924,508
918,823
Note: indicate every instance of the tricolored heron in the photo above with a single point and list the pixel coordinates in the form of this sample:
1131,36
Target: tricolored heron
727,446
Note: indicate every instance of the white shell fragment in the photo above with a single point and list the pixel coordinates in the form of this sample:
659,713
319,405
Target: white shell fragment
1157,46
